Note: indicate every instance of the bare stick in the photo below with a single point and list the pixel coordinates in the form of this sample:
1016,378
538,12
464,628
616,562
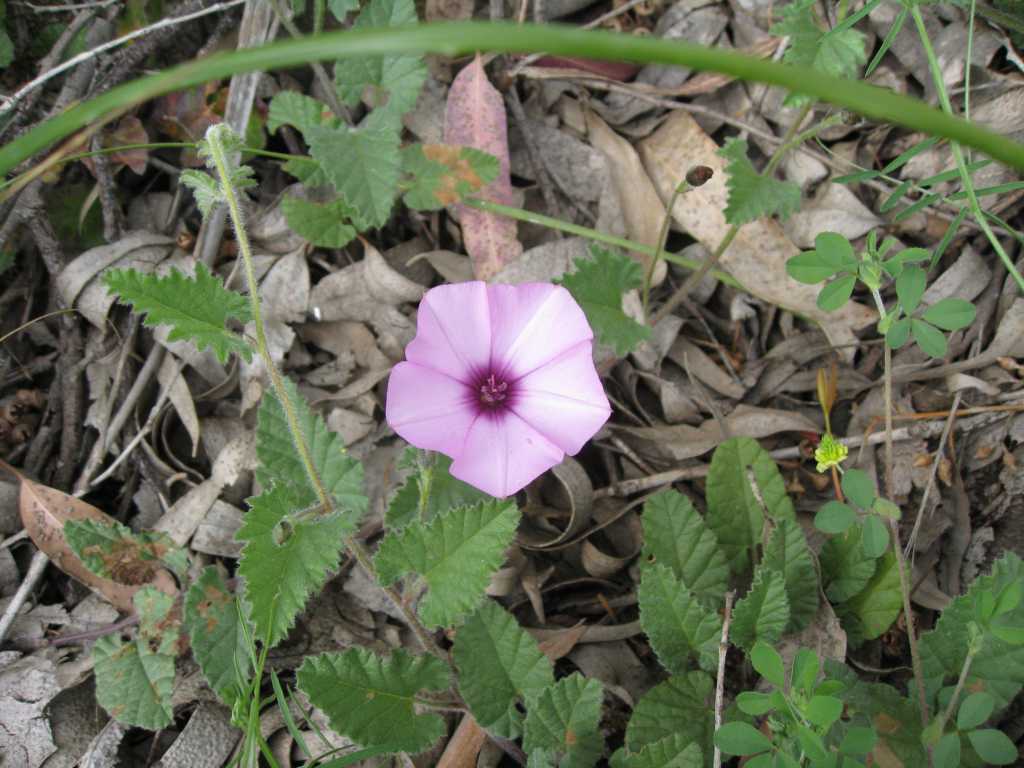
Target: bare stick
35,572
723,650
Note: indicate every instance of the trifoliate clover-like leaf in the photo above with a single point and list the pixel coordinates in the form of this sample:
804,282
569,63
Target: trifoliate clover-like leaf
363,164
598,285
443,174
196,308
845,568
113,551
734,512
216,635
499,666
763,613
676,536
751,194
455,554
298,110
323,224
563,720
682,705
674,751
393,82
135,678
788,554
429,492
372,699
677,625
870,612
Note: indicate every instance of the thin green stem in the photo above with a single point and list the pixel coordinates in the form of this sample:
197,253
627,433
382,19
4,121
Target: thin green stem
680,189
958,155
908,613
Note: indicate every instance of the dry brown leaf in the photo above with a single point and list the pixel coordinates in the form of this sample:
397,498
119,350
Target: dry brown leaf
44,511
464,745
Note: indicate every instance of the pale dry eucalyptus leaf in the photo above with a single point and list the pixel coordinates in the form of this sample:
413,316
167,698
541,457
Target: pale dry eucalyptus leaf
27,685
544,263
833,209
965,279
692,358
206,741
453,267
172,382
215,534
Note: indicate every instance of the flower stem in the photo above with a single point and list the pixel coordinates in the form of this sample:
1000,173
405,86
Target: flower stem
680,189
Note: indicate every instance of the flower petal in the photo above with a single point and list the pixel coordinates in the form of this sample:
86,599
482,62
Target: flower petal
503,453
564,399
531,324
429,409
453,331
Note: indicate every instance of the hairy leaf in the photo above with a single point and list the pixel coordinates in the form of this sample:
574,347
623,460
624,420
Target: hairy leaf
206,189
388,82
675,535
298,110
456,554
734,512
429,492
563,720
787,553
998,668
499,664
598,285
752,195
323,224
682,705
197,309
443,174
763,613
134,679
872,611
371,699
845,568
676,751
113,551
362,163
677,625
215,632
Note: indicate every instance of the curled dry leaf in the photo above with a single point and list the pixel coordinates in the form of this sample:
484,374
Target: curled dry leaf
569,488
44,511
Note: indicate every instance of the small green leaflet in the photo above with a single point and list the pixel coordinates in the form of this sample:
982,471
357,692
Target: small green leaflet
216,634
832,254
388,82
682,705
563,719
112,551
734,513
456,554
363,164
322,224
677,625
598,285
787,553
371,699
442,174
752,195
872,611
674,751
840,53
499,664
197,308
676,536
134,679
429,492
763,613
741,739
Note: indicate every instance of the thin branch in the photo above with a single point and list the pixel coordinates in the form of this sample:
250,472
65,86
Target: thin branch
723,650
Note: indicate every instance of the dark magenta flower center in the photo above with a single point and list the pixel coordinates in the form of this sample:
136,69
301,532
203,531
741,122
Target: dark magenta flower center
493,392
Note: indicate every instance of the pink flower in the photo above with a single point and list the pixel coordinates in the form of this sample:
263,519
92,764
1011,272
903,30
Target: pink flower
501,379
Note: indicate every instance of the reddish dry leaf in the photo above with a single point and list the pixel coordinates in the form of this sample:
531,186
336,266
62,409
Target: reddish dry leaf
475,117
128,131
620,71
43,513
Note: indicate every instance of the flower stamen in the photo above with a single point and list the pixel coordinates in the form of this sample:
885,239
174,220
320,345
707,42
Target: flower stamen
492,391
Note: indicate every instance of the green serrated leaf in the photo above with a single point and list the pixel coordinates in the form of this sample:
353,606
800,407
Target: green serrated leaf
216,634
674,751
677,706
372,699
930,339
910,287
362,163
741,739
839,52
298,110
675,535
677,625
788,554
998,668
835,294
872,611
134,679
429,492
197,309
763,613
322,224
113,551
598,285
389,82
563,719
206,189
307,170
456,554
751,194
734,513
950,314
443,174
845,569
499,664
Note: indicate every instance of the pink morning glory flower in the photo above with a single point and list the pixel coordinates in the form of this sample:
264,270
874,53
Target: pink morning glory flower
501,379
